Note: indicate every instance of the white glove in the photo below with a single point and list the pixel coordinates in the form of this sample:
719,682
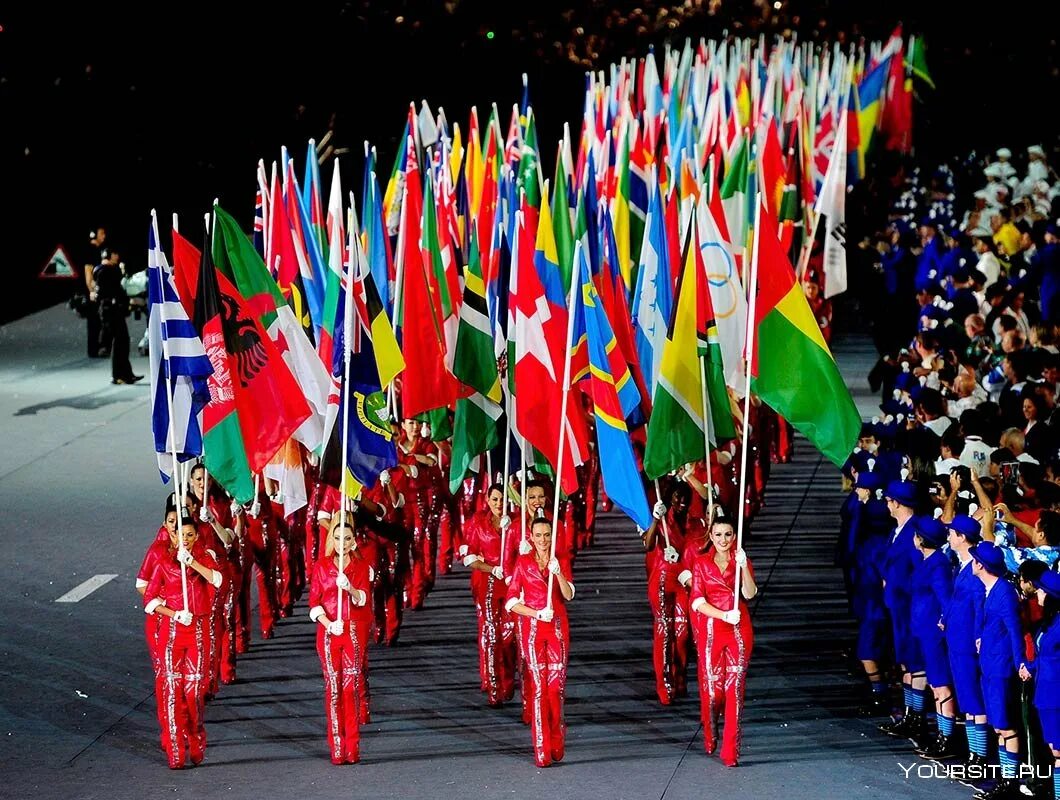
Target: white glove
335,627
497,573
741,558
384,477
553,566
670,555
235,509
732,617
359,597
255,508
343,583
525,548
205,514
185,557
506,522
183,617
544,615
414,471
659,510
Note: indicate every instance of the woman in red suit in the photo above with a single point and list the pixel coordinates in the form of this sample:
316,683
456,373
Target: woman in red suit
543,637
184,636
724,636
669,602
496,637
342,636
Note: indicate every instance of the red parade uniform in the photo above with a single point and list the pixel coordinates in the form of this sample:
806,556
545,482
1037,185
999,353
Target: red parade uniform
261,540
152,622
342,658
181,681
419,519
497,648
544,650
724,652
669,608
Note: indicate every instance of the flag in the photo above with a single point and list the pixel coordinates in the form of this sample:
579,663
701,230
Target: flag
268,401
792,369
720,424
475,423
176,352
734,199
653,297
830,226
675,430
726,292
540,333
334,244
241,264
608,376
917,60
360,410
288,470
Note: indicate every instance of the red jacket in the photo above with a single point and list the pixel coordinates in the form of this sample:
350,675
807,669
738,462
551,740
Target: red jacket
529,585
323,592
165,588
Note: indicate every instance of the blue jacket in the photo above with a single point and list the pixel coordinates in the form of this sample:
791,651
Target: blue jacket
899,560
1001,647
963,617
1046,666
1046,262
932,588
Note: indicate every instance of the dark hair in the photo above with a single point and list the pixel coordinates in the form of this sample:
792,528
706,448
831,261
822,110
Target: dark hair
537,483
953,439
1049,522
930,401
1031,570
683,491
541,521
495,487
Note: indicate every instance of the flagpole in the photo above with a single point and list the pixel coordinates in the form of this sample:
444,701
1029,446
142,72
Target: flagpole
203,511
562,420
665,526
706,439
399,279
749,355
507,466
180,482
172,434
347,330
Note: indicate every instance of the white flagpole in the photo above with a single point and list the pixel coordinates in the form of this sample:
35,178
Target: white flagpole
172,434
665,526
205,472
574,281
749,354
347,333
703,379
507,466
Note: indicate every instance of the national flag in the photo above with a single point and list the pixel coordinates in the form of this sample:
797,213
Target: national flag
720,425
477,412
287,468
242,265
176,352
792,368
653,298
376,242
675,430
917,60
608,375
734,199
726,293
335,241
829,236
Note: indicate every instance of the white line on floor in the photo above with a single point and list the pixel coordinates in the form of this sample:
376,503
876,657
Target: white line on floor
81,591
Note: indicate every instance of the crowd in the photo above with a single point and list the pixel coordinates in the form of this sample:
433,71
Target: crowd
951,534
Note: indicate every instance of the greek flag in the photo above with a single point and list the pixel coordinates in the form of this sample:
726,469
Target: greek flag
177,353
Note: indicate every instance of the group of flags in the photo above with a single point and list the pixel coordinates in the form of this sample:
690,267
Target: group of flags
476,295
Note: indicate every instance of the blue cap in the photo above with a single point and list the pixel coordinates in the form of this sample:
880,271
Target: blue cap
902,492
967,527
1049,581
931,531
868,480
990,556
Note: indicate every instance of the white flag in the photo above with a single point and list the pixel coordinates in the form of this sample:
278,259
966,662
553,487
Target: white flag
830,211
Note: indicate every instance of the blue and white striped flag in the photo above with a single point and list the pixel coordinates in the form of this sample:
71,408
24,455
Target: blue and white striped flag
176,351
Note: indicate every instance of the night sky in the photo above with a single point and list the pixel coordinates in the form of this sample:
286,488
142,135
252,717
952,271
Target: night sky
104,115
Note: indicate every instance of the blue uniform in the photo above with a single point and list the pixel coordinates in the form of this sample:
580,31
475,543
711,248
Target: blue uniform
1000,654
872,535
932,587
963,621
1046,262
1046,670
899,560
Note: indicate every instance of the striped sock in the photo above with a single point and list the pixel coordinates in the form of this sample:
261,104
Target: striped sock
945,725
982,738
1009,762
907,694
1056,781
916,697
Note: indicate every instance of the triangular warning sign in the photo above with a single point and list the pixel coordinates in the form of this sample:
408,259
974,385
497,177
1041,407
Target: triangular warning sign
59,266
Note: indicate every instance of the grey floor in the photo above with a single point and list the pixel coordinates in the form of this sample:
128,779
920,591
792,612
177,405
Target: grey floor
79,496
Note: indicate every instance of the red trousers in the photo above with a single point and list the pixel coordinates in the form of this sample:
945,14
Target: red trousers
153,635
261,554
724,652
543,647
393,581
180,688
422,548
497,648
669,609
342,659
227,644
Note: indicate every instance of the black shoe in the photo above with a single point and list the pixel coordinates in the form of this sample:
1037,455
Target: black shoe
944,747
127,381
916,731
1004,789
976,768
897,727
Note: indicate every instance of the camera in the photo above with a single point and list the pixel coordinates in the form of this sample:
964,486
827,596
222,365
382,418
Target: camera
1010,473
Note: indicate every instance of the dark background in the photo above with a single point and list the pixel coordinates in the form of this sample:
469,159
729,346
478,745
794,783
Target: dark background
106,114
